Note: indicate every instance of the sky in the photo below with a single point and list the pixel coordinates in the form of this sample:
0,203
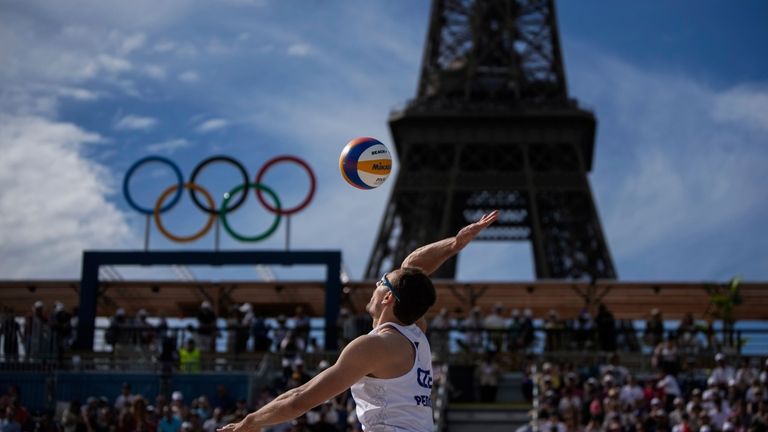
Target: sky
88,87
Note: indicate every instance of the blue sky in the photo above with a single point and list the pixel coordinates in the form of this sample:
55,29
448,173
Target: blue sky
87,87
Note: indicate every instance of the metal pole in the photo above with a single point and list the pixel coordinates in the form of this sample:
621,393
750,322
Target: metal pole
146,234
217,235
287,233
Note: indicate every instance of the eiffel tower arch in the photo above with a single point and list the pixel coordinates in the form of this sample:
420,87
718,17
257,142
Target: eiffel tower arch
492,127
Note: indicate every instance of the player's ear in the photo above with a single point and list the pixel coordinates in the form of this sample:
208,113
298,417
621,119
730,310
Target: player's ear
388,299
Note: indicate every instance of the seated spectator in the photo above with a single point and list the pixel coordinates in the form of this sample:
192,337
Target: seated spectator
722,372
666,357
632,394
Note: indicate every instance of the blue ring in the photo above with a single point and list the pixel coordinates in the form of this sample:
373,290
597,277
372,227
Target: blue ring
135,166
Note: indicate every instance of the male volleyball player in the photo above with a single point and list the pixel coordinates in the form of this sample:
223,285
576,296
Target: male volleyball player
389,370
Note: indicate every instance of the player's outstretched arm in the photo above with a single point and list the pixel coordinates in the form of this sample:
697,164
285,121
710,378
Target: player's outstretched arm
430,257
361,357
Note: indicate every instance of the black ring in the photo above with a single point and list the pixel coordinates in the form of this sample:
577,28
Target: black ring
200,167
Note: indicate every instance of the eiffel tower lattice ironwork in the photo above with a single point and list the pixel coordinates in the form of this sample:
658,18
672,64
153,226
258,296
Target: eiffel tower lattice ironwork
493,127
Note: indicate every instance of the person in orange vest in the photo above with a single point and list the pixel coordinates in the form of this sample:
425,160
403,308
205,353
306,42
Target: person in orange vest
189,357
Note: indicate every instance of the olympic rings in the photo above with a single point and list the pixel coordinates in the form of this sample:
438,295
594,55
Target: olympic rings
199,168
301,205
237,189
210,206
195,236
135,166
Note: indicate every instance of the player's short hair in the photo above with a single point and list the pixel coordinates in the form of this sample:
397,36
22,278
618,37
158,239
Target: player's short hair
417,295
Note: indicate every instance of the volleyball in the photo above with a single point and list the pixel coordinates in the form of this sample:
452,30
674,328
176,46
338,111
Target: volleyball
365,163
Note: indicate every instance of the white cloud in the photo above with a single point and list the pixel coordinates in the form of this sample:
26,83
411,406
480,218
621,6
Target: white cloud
79,94
299,50
129,43
169,146
189,77
42,233
212,125
133,122
155,71
744,104
676,159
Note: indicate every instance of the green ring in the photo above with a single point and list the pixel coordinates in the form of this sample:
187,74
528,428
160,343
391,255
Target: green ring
223,212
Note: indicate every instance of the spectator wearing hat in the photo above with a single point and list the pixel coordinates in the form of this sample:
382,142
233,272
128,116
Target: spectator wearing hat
206,327
38,333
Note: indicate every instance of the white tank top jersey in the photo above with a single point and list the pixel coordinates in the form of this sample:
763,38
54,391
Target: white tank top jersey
403,403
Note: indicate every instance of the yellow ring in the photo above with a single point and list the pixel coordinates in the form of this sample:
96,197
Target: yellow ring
195,236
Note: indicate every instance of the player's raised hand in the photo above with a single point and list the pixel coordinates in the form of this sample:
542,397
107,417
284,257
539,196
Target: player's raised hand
469,232
238,427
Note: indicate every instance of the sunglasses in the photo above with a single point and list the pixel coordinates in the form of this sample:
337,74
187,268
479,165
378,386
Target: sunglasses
384,281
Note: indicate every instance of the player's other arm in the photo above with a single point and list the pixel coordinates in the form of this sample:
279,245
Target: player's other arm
361,357
430,257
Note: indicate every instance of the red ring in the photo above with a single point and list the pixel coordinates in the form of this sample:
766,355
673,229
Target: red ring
303,204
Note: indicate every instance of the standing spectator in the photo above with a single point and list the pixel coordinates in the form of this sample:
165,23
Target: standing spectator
301,327
144,335
494,324
243,328
488,374
472,326
654,329
583,331
514,339
606,329
553,329
189,357
119,334
61,329
280,332
10,330
439,337
526,329
206,329
260,334
38,333
348,327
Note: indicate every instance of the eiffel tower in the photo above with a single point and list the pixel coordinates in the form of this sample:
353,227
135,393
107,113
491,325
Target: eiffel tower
492,127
